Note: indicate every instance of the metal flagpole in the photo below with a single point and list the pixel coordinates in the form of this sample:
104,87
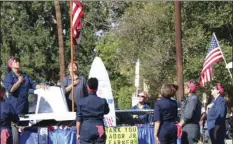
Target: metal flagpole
72,53
223,56
137,77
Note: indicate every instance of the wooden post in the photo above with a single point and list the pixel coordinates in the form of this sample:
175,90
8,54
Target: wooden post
179,68
0,47
60,40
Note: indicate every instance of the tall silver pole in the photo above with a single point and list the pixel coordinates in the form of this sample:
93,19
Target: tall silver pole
137,81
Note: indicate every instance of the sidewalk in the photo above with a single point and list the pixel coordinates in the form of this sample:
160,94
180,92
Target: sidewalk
226,142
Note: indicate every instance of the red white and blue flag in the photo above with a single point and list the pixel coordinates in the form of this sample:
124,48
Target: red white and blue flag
77,14
213,56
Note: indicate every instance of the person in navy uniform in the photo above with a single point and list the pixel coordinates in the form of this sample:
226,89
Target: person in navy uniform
190,114
217,115
7,115
165,116
141,105
18,85
89,116
80,89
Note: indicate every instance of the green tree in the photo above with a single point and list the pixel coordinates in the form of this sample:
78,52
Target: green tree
146,31
29,30
26,32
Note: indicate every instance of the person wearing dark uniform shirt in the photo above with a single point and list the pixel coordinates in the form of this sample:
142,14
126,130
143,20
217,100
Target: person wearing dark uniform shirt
7,115
165,116
18,85
142,118
190,114
217,115
80,89
89,116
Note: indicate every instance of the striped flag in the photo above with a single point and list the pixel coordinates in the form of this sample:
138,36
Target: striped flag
213,56
77,14
108,121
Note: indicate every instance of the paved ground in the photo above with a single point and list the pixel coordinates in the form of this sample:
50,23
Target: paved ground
226,142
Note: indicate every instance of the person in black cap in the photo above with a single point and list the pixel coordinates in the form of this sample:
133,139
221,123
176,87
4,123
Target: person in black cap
89,116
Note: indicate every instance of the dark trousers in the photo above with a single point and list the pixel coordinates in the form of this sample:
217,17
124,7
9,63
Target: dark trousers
69,104
89,133
191,134
168,133
21,106
220,136
92,141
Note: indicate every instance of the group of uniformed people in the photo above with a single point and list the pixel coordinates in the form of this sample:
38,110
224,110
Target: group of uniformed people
90,108
17,85
168,127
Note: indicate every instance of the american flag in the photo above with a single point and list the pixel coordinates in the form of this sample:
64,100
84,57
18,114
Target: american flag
77,14
108,121
214,55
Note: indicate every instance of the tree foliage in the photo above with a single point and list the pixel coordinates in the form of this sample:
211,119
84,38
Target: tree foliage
121,32
146,31
29,31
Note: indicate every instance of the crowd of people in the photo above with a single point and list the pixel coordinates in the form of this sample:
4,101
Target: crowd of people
18,84
90,109
168,127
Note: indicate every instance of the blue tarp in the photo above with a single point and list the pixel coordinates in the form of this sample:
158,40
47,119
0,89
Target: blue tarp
68,136
29,136
62,137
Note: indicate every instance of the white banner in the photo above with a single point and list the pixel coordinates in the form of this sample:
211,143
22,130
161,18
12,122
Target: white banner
99,71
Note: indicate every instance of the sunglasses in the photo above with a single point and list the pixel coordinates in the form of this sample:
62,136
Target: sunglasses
141,96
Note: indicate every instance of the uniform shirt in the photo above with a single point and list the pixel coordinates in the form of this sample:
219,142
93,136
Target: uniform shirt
217,114
191,110
91,107
7,114
22,91
19,98
165,109
80,90
143,118
145,106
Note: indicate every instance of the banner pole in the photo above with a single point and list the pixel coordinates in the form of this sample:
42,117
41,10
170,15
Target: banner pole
72,53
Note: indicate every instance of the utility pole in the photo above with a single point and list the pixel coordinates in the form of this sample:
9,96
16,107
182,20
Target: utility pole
179,68
60,40
1,42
